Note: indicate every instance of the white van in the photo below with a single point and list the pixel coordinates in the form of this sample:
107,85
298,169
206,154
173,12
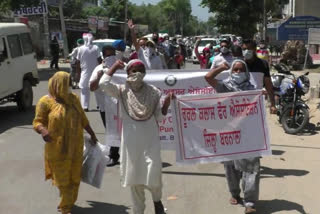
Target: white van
18,65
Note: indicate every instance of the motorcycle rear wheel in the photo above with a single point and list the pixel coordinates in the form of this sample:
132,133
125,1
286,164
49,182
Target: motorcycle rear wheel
301,120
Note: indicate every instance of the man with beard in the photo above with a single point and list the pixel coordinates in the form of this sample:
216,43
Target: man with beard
150,58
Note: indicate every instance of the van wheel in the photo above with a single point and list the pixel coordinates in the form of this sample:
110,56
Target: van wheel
25,96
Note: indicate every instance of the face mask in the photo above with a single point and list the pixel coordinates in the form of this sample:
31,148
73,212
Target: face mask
239,77
224,50
119,55
135,80
109,61
248,54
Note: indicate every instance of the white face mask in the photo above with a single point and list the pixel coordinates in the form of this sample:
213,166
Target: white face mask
224,50
135,80
109,61
247,54
119,55
239,77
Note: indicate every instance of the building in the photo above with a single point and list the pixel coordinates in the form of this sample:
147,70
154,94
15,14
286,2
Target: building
302,8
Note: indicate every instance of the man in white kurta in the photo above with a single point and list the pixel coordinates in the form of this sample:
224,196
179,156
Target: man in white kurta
88,56
140,160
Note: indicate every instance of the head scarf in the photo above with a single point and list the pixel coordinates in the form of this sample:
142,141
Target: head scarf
232,85
139,104
59,91
59,87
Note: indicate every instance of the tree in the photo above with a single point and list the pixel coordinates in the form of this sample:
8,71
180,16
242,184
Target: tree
241,17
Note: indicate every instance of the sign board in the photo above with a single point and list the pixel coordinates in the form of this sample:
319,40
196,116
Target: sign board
219,127
54,3
314,36
296,28
41,9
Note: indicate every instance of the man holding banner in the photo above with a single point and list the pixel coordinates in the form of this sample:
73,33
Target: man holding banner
247,169
140,111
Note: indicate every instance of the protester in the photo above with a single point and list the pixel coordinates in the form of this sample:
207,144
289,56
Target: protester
73,63
216,52
263,52
204,58
140,145
247,169
54,50
60,120
148,55
109,59
261,68
87,59
120,47
236,52
224,56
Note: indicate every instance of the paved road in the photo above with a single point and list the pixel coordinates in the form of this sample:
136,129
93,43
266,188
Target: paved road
289,184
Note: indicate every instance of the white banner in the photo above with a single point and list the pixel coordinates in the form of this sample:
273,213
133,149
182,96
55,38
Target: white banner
221,127
314,36
180,82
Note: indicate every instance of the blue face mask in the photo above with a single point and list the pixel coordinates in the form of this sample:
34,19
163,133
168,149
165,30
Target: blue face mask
239,77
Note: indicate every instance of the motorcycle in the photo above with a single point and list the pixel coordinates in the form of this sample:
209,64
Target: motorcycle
293,112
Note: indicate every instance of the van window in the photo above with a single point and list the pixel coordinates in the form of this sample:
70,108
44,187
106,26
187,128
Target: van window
14,45
4,54
26,43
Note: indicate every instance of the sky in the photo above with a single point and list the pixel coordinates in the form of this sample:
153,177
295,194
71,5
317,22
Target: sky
202,13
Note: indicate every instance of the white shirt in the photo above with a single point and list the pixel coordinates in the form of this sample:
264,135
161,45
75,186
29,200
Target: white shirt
219,59
87,55
100,96
152,63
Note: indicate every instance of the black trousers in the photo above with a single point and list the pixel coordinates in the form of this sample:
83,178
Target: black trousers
114,151
54,61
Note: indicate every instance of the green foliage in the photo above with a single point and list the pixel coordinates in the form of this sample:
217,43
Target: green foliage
241,17
94,11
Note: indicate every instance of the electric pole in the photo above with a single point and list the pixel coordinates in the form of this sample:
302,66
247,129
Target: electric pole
46,32
63,30
125,20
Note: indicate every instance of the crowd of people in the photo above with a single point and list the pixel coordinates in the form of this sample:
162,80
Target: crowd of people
60,116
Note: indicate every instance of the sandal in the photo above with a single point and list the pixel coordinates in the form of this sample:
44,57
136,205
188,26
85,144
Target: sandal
235,200
250,210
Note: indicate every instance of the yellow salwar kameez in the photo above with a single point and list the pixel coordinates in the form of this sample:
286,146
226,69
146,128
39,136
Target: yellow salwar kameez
61,114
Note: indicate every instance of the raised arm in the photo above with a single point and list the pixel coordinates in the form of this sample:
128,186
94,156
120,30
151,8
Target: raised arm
211,75
131,26
196,50
105,83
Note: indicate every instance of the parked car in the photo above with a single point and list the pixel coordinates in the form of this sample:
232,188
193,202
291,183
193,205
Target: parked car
203,42
18,65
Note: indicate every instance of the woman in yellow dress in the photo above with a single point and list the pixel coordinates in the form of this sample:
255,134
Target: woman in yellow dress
60,120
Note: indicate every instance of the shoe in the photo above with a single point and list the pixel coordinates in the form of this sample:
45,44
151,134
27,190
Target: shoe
113,163
158,208
86,110
250,210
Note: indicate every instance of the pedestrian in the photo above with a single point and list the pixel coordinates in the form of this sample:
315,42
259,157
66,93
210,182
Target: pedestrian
261,69
246,169
236,52
60,120
140,110
109,59
54,51
87,59
224,56
73,63
204,59
263,52
148,55
120,47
